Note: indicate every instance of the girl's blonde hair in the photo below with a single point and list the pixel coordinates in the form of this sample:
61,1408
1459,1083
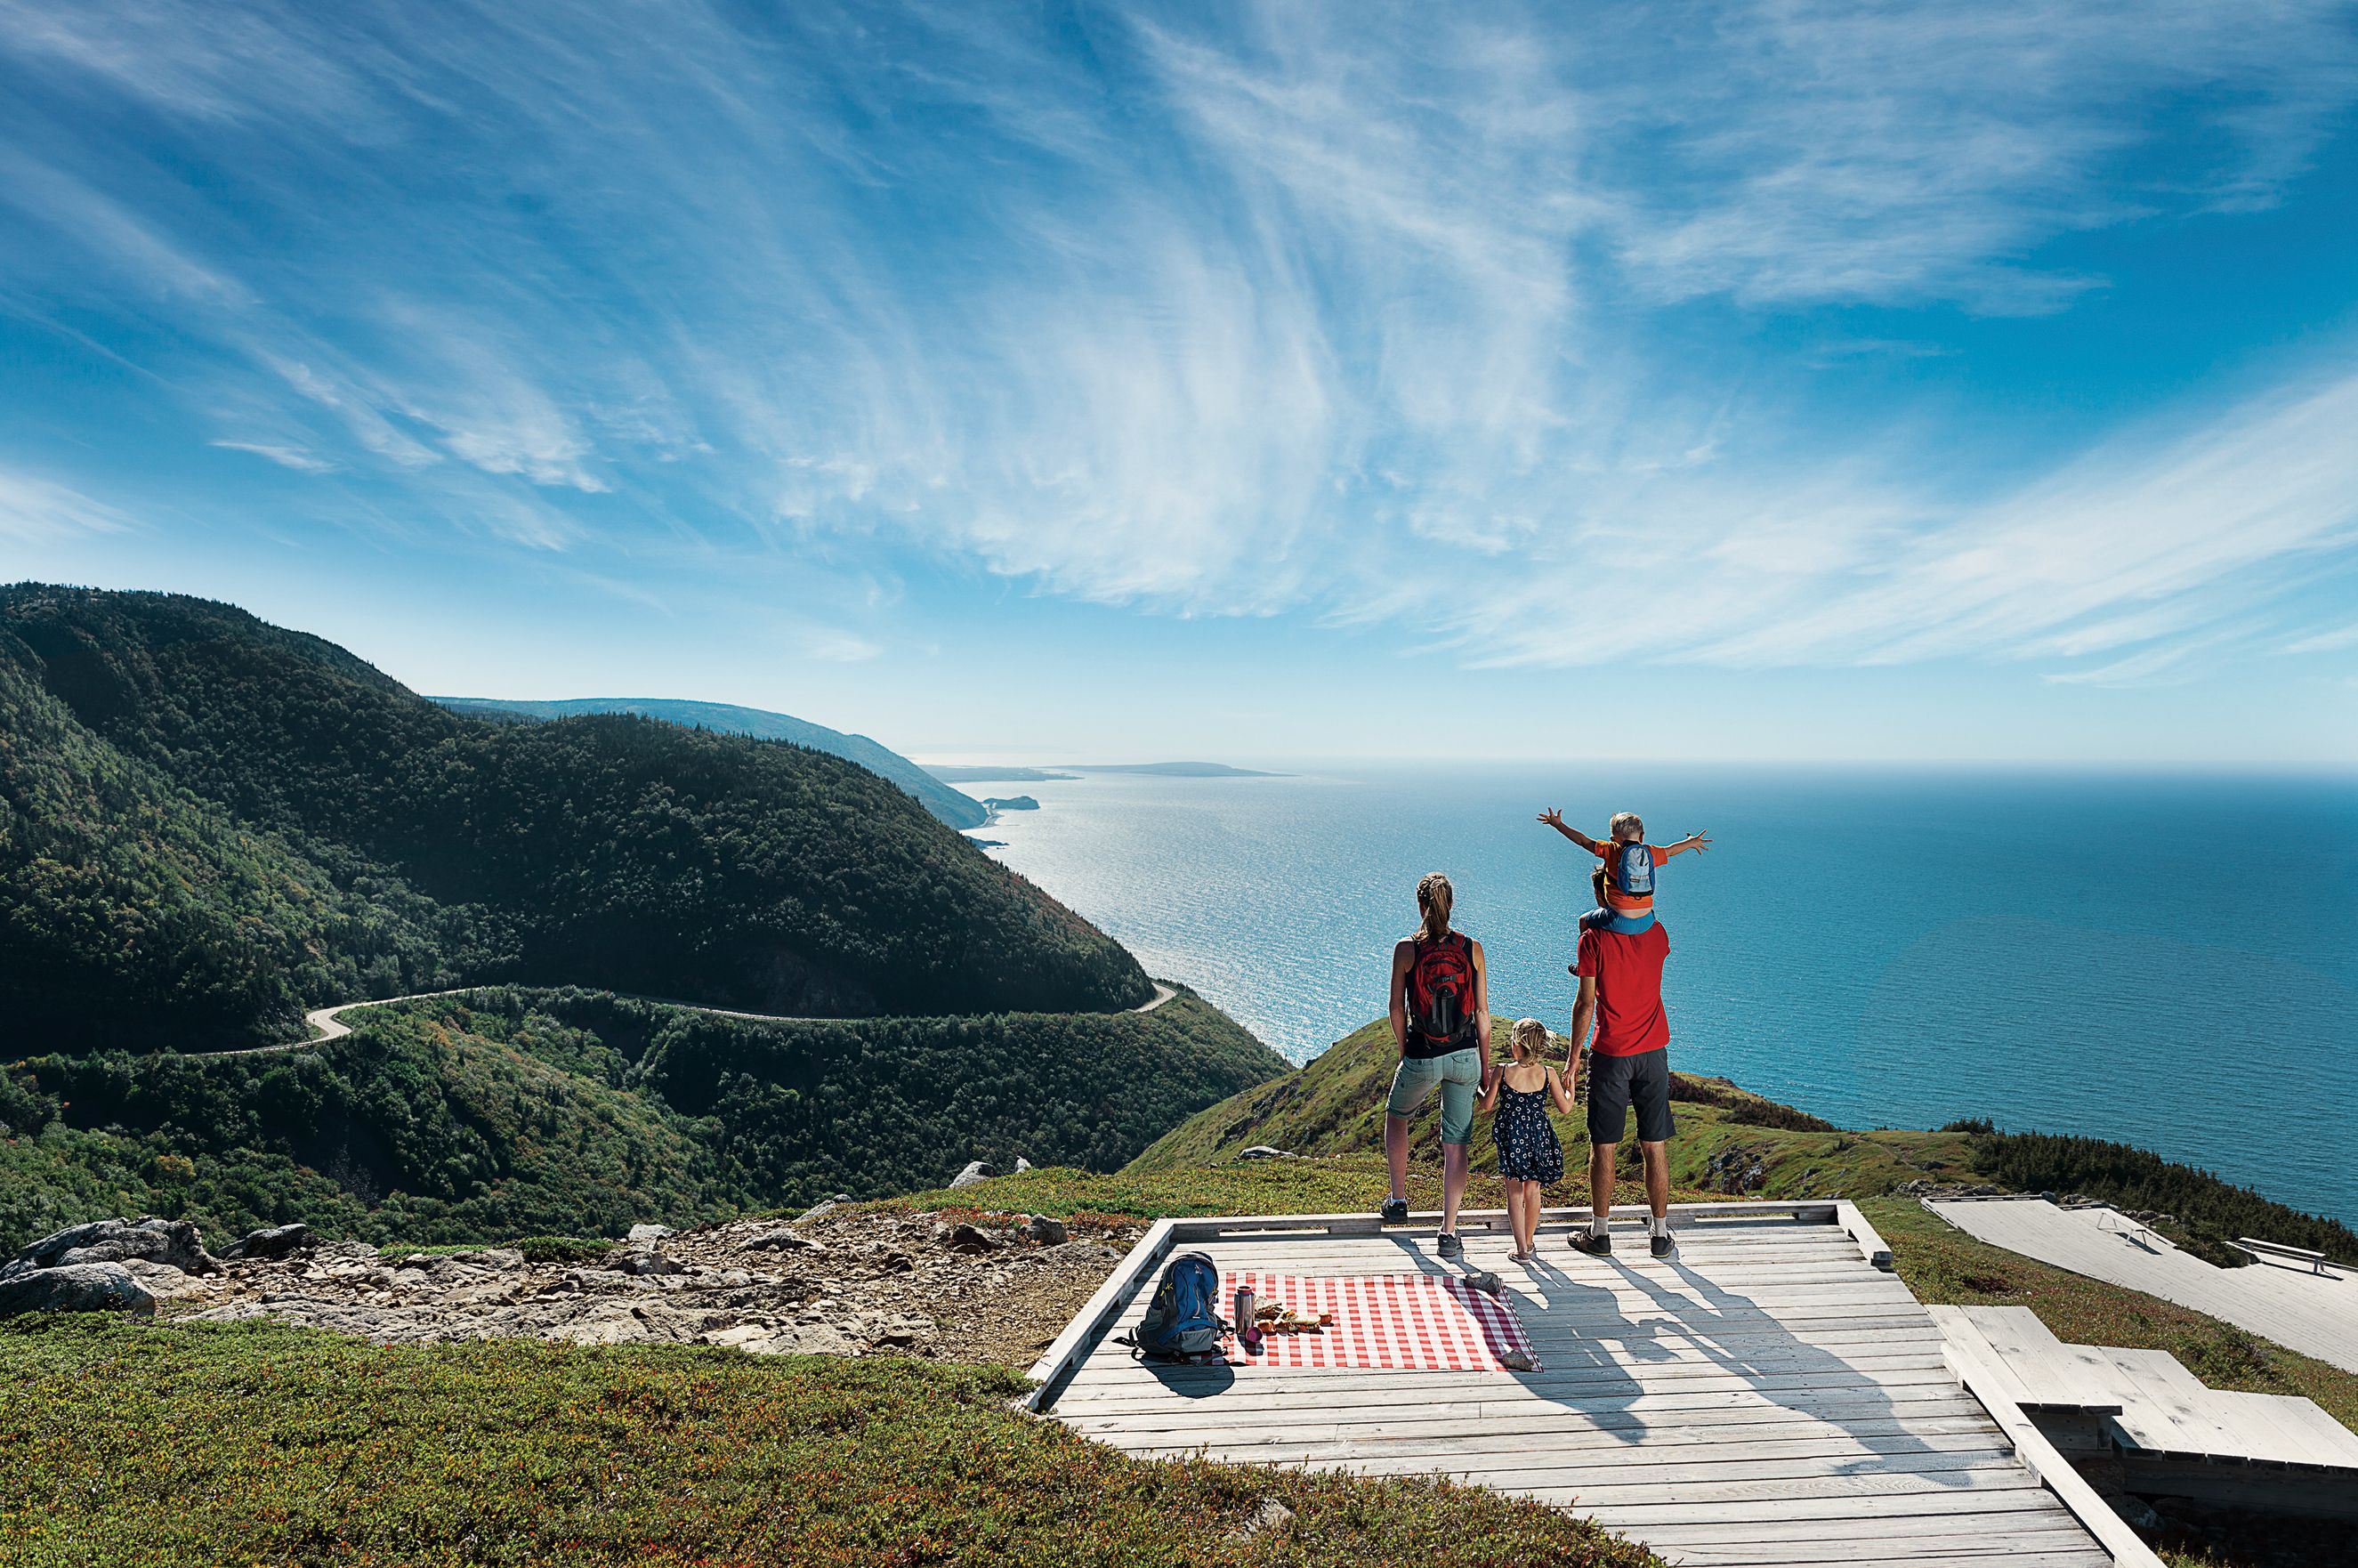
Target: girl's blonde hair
1433,897
1530,1035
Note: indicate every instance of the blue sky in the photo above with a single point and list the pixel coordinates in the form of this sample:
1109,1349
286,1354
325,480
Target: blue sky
1046,381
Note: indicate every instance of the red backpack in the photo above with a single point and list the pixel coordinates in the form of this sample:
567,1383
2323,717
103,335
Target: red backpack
1440,993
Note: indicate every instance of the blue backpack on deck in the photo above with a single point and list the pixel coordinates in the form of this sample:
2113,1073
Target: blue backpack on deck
1183,1322
1632,866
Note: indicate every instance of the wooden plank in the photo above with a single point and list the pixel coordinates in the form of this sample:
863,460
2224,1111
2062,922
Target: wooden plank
2053,1374
1935,1546
2044,1514
2272,1428
2039,1456
2160,1405
1203,1383
1958,1328
1989,1488
1310,1418
2014,1558
1536,1472
1106,1378
1501,1405
1518,1452
1854,1225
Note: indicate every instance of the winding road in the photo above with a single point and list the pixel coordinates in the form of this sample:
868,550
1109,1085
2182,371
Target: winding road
330,1024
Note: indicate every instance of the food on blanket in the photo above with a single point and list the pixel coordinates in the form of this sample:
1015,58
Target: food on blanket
1270,1317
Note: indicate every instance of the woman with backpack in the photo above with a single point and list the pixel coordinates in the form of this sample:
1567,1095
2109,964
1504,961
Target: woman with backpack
1441,1021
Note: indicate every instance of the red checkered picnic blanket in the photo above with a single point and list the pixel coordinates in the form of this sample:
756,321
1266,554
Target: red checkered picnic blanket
1430,1323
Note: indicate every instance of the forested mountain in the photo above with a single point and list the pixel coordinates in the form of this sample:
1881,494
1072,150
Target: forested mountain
207,822
509,1113
952,806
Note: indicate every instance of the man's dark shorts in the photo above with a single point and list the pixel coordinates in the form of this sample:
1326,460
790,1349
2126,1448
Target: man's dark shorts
1617,1082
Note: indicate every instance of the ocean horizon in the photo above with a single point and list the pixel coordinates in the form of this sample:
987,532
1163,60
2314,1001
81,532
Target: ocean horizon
2164,959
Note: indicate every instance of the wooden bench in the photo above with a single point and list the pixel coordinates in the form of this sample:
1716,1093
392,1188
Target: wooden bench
2275,1250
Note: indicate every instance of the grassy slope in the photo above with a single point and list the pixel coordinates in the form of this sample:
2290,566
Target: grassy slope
1335,1105
136,1445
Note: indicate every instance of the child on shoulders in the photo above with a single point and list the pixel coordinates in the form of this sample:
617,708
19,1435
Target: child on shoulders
1530,1154
1627,900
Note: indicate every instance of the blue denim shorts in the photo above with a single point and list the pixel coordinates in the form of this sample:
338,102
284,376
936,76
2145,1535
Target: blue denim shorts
1459,1074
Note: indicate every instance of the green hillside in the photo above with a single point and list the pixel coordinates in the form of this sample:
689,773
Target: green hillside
207,822
952,806
513,1113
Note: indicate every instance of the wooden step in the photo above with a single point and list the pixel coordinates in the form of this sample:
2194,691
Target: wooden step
2053,1375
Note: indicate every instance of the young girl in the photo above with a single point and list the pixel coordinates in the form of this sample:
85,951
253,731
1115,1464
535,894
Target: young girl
1528,1155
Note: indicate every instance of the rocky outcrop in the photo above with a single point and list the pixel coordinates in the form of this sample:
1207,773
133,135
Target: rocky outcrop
175,1243
839,1282
73,1287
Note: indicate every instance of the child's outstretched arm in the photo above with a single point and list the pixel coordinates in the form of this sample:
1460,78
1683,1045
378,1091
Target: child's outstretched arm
1692,841
1554,819
1560,1091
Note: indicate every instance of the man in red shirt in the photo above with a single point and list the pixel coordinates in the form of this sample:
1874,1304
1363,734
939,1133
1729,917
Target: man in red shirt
1620,970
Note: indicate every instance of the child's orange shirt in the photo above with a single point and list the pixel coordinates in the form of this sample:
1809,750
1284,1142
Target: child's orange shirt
1621,902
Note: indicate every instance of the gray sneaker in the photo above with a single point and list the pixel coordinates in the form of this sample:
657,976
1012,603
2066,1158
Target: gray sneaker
1593,1245
1394,1212
1662,1245
1453,1248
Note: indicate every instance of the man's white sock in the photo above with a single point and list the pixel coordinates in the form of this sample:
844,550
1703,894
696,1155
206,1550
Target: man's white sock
1658,1224
1597,1223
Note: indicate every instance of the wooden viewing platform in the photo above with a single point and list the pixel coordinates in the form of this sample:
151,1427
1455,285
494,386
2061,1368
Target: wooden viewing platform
1770,1395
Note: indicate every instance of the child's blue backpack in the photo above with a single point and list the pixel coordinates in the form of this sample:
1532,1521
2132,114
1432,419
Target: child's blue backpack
1183,1322
1633,870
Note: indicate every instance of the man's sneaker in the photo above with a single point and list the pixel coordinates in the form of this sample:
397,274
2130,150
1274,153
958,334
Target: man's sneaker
1394,1212
1453,1246
1595,1246
1663,1246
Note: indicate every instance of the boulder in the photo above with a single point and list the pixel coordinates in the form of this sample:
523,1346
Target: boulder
275,1241
781,1241
1263,1152
75,1287
174,1241
1021,1164
964,1238
976,1171
819,1208
641,1234
1044,1230
649,1261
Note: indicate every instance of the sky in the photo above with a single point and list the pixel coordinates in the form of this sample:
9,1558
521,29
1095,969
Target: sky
1038,381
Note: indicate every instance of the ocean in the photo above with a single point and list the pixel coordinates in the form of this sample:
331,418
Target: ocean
2170,961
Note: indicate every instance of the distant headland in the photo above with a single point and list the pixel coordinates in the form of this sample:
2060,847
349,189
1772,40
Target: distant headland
961,773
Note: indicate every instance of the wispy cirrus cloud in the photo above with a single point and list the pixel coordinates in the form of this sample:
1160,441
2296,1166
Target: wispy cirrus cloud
36,511
1372,313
